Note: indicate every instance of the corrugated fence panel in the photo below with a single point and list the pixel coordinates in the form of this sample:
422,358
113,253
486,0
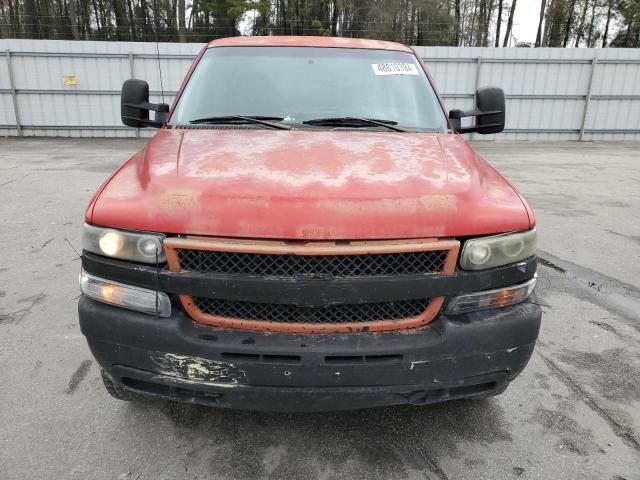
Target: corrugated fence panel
90,107
615,103
547,89
7,116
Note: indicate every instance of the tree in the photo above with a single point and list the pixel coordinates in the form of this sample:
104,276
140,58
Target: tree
498,23
580,29
507,34
73,19
122,21
569,23
543,6
418,22
592,32
182,30
30,20
605,35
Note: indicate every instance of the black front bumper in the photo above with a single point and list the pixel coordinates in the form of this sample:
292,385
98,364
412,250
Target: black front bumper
467,356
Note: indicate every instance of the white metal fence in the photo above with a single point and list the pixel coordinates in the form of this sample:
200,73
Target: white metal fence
552,93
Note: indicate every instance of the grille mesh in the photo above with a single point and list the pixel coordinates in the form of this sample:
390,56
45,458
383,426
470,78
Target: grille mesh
332,314
361,265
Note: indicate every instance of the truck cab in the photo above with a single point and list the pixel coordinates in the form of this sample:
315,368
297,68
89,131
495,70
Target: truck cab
308,231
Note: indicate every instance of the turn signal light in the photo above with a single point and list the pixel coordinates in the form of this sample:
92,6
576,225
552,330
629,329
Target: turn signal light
126,296
498,298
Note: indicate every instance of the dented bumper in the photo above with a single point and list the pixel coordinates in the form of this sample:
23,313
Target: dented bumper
174,358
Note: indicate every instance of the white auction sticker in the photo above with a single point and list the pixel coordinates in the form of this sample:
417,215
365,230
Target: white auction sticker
394,69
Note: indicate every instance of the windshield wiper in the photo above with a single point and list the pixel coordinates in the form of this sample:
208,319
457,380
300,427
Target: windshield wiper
354,122
239,119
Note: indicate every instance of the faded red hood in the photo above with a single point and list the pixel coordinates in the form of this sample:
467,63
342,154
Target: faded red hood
308,185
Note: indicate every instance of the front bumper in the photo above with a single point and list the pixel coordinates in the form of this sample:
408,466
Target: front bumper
173,358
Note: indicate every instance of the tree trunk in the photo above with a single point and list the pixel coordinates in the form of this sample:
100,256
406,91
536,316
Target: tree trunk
507,34
133,34
207,23
569,24
97,12
481,23
627,35
142,21
580,31
472,25
590,39
30,25
299,25
156,19
73,18
85,16
122,22
5,32
281,23
543,5
172,21
605,35
458,22
487,22
182,31
334,19
12,25
498,24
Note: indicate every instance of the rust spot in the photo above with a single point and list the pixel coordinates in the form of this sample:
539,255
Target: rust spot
438,202
178,199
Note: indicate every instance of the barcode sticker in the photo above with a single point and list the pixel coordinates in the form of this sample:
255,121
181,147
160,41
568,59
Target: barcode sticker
394,69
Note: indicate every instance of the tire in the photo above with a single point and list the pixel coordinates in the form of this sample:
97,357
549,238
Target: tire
118,391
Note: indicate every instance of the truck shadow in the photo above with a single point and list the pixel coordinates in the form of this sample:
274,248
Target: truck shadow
387,441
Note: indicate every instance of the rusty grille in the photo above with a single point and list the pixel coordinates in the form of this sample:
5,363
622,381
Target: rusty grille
288,265
290,260
333,314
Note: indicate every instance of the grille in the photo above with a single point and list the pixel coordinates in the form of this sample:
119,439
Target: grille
288,265
285,261
333,314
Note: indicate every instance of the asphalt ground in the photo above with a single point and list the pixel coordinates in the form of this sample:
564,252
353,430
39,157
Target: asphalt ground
574,413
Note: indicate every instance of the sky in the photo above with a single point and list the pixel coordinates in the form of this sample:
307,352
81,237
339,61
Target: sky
525,21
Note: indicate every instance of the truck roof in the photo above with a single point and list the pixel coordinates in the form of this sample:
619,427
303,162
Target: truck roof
308,41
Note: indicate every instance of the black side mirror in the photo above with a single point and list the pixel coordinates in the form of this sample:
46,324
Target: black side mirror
135,106
489,113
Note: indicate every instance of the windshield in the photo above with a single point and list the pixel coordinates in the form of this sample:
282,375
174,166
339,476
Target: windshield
298,84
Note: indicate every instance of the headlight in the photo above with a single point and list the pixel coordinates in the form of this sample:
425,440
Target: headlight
134,246
489,252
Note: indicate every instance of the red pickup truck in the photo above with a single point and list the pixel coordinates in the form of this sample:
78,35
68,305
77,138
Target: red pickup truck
308,230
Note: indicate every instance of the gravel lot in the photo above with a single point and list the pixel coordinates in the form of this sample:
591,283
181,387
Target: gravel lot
573,413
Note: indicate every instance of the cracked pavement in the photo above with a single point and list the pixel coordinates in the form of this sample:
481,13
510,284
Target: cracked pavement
574,413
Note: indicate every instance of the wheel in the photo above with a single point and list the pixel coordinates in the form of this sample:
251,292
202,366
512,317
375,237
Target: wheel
116,390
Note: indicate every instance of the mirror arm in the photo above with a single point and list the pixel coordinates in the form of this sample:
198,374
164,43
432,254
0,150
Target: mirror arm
148,123
456,114
472,113
156,107
161,109
475,128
